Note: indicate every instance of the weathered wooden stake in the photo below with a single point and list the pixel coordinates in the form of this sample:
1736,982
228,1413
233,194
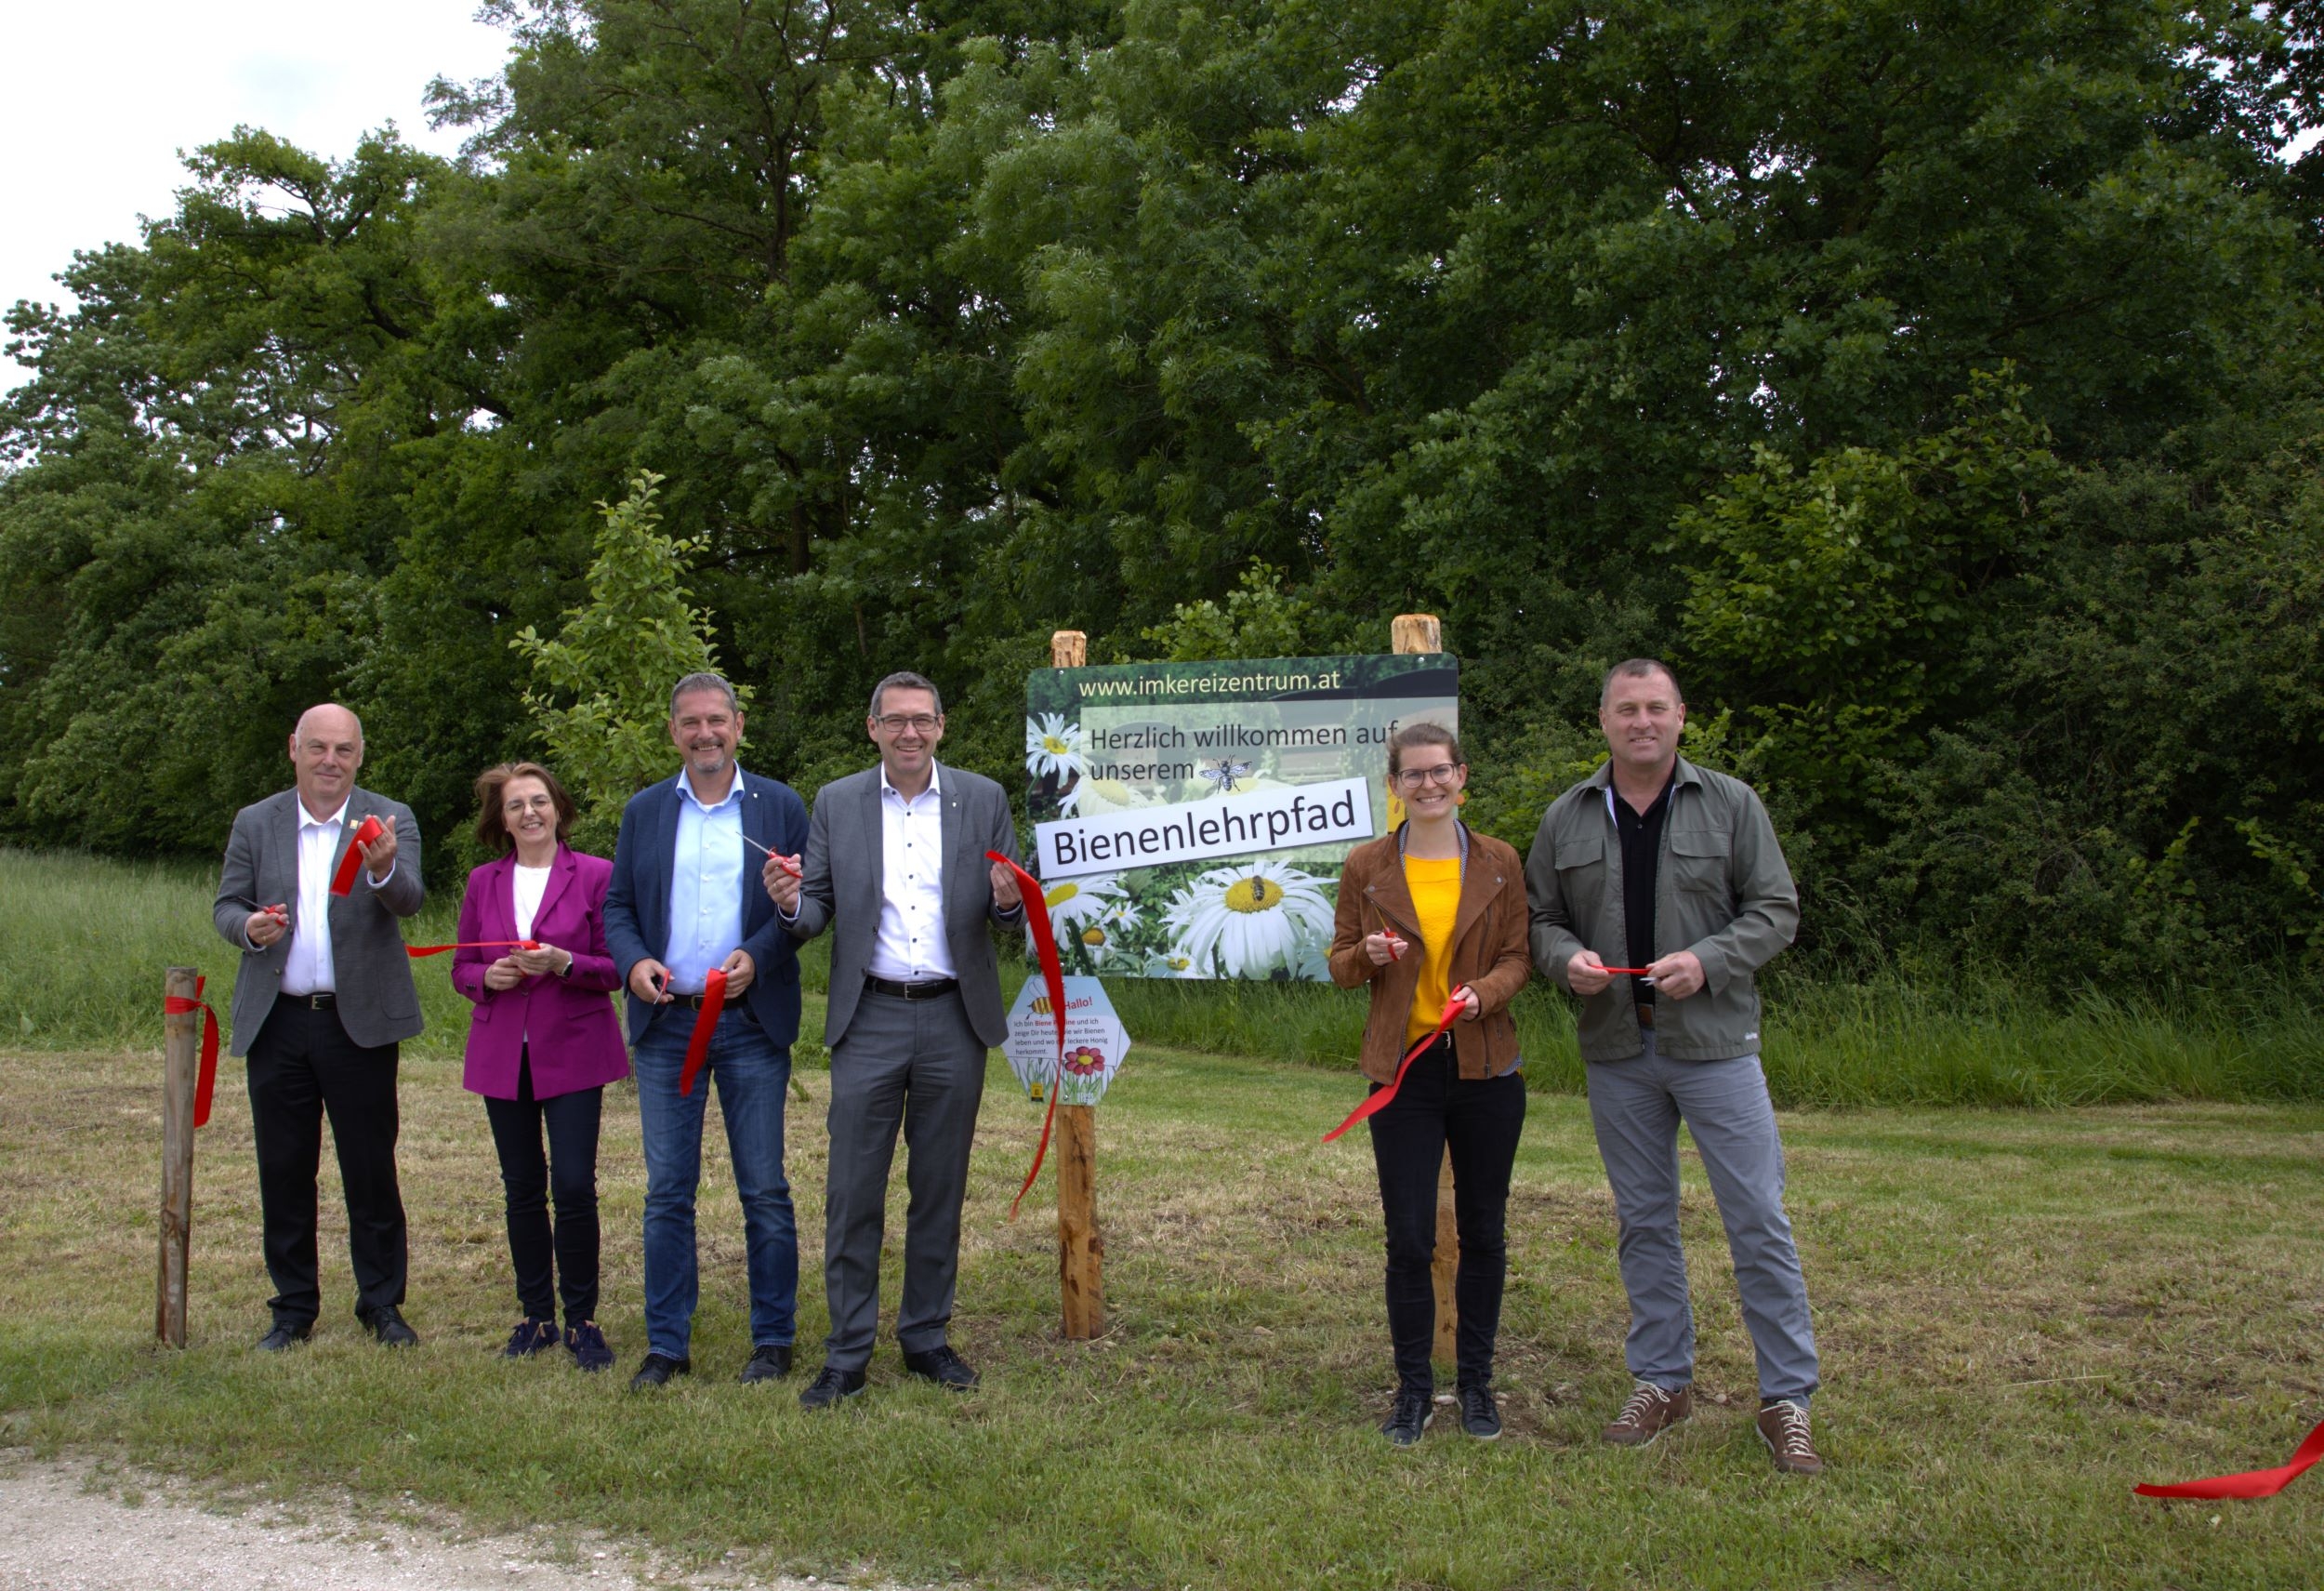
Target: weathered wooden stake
1410,633
1081,1248
182,1039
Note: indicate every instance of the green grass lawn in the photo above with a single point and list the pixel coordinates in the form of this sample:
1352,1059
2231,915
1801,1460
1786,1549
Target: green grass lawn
2021,1315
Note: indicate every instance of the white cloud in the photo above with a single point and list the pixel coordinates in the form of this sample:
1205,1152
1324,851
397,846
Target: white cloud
100,99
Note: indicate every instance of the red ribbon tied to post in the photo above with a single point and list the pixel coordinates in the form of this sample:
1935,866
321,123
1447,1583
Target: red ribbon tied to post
1379,1099
698,1047
2252,1482
343,881
1045,944
206,1081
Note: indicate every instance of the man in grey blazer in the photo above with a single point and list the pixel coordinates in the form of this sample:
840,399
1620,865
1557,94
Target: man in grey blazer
895,867
321,1001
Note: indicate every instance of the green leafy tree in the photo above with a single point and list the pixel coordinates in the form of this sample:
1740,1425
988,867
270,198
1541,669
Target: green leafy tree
601,698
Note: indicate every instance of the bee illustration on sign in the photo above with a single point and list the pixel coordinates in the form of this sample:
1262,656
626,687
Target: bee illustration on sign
1224,772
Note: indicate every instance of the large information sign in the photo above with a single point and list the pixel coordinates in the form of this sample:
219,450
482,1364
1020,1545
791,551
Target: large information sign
1190,819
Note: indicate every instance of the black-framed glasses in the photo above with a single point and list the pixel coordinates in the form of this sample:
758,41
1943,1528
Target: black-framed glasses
1413,779
897,722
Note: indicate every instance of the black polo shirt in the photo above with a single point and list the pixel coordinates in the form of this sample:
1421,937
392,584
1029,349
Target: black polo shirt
1642,858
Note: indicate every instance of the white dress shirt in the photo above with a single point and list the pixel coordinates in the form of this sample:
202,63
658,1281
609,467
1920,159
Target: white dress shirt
309,970
911,947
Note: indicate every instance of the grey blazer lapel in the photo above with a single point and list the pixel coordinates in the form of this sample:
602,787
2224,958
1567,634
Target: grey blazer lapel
963,866
875,841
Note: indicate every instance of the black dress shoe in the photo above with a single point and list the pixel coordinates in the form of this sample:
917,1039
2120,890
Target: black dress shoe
657,1370
284,1338
829,1387
387,1324
944,1367
769,1361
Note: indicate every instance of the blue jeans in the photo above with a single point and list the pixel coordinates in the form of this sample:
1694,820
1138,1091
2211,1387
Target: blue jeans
751,1074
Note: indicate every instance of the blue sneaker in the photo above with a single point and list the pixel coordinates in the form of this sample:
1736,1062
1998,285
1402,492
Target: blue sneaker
531,1336
586,1344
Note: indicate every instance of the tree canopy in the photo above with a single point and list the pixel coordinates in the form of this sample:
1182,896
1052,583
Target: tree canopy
1931,387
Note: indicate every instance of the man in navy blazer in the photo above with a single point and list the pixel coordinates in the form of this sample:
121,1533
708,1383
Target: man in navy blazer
684,902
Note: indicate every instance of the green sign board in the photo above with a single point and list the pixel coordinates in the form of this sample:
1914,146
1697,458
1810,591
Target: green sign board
1190,819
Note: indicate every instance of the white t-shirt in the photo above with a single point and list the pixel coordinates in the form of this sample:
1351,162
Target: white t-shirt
530,884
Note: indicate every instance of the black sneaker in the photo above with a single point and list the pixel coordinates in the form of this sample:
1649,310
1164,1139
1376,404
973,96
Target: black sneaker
1479,1416
769,1361
829,1387
944,1367
1409,1418
588,1348
533,1336
656,1370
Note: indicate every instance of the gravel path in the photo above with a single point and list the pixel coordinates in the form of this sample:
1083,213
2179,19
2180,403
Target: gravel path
71,1525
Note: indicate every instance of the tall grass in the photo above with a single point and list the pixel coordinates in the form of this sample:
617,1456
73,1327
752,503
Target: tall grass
84,941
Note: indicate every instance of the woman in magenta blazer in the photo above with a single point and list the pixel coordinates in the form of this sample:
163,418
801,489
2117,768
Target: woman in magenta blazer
543,1045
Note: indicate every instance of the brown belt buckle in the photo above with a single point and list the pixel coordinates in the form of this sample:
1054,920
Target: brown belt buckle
1645,1015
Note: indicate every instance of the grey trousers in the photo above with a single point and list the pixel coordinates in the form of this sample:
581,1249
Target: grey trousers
914,1064
1636,1107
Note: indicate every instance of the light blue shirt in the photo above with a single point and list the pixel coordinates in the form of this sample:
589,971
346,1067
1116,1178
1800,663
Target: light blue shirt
706,887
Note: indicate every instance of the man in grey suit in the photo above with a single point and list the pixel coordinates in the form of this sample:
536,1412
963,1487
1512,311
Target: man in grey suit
322,998
895,865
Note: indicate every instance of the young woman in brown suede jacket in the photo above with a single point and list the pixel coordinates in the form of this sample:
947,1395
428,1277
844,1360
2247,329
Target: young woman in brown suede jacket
1430,914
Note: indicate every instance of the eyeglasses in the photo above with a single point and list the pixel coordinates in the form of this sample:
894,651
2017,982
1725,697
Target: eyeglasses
896,722
1413,779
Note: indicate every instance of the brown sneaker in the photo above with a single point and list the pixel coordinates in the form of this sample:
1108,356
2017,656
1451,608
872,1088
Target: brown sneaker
1783,1426
1649,1412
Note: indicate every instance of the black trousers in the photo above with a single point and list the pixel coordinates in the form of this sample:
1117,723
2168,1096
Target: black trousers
559,1259
1480,1119
302,1066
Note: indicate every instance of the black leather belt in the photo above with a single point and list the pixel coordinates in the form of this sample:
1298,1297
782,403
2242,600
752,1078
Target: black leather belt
311,1001
690,1002
927,991
1645,1014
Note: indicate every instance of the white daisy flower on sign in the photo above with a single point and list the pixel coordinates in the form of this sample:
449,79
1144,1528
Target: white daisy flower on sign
1074,902
1251,917
1053,745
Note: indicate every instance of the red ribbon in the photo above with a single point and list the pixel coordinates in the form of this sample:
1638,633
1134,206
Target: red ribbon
1631,972
1052,974
1378,1100
206,1081
417,951
343,881
2250,1483
698,1047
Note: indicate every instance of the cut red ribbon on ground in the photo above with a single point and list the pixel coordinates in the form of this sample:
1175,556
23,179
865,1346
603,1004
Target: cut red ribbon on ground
1376,1101
205,1081
1044,943
698,1047
2252,1482
343,881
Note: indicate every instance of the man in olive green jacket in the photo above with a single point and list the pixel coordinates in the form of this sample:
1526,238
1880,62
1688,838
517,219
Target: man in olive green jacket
1658,891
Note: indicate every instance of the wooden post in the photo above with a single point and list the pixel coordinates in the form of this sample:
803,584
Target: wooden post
1410,633
1080,1248
182,1041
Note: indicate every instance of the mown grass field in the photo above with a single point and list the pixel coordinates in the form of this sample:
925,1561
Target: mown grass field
2022,1313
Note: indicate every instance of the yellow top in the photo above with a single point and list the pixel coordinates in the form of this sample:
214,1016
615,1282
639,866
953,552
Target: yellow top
1435,887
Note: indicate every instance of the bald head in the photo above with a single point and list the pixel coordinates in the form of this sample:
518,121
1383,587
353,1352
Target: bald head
326,751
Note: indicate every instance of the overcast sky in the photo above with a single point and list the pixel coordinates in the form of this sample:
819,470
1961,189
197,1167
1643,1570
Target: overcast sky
100,98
